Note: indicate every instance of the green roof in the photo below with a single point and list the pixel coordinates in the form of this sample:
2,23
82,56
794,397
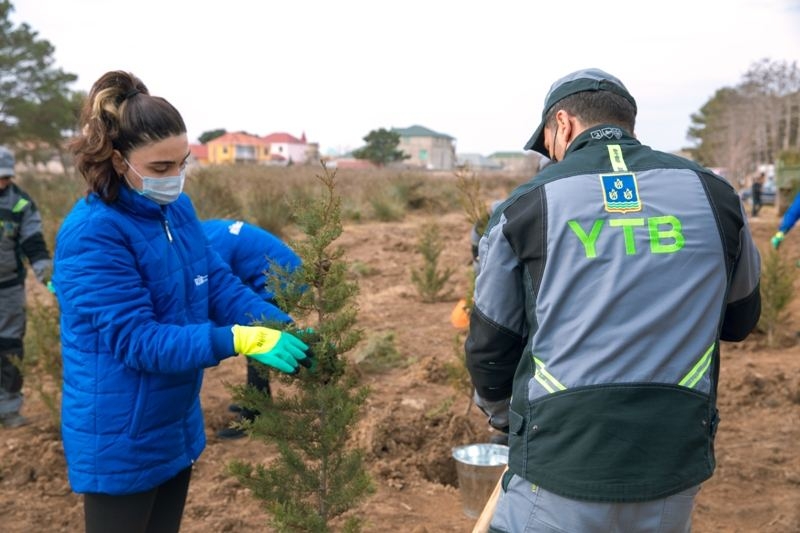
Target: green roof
419,131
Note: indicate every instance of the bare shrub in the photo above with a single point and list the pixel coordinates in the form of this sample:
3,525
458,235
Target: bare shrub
54,196
210,189
42,363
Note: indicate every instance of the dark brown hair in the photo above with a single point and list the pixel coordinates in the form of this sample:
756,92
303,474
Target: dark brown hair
119,114
597,107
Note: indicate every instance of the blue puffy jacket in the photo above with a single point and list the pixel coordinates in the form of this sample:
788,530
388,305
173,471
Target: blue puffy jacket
250,251
791,216
141,295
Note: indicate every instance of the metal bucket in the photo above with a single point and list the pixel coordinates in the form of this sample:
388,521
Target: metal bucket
479,467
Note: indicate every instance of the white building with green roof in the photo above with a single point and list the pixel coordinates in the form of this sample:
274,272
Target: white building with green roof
427,148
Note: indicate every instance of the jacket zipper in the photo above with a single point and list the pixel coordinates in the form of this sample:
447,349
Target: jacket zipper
165,224
166,229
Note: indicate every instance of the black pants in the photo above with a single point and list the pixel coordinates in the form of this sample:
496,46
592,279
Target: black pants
11,354
258,379
156,511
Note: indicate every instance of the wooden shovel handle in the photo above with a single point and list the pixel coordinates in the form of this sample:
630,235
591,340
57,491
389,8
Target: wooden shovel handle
482,525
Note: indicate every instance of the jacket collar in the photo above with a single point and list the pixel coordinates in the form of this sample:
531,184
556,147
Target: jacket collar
133,202
601,134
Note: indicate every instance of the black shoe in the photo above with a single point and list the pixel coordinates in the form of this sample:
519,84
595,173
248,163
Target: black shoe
235,408
13,420
231,433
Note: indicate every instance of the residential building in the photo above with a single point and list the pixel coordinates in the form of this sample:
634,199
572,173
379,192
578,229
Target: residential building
198,154
238,147
292,149
427,148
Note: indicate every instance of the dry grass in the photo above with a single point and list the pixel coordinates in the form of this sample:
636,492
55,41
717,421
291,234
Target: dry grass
266,196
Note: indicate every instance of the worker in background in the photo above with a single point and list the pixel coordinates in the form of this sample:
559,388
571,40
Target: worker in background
252,253
21,239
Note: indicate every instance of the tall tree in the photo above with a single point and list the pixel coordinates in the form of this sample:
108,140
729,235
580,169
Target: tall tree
49,121
381,147
752,123
723,142
30,85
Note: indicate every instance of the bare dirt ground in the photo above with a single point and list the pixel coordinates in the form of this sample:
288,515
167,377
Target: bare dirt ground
413,418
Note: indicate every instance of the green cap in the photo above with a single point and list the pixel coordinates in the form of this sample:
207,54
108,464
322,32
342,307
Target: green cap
590,79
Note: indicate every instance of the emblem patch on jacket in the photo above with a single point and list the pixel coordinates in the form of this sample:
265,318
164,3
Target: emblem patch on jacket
620,192
236,227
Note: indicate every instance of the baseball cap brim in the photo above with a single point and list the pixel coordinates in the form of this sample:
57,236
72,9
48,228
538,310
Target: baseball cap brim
536,142
6,172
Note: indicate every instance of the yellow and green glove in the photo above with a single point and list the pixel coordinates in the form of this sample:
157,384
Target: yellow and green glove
278,349
777,239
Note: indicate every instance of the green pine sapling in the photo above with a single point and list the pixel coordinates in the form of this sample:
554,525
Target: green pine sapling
318,475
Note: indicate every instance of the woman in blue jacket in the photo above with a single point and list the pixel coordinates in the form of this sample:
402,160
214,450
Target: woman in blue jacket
142,298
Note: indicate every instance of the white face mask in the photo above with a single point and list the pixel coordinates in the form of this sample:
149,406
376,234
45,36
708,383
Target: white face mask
164,190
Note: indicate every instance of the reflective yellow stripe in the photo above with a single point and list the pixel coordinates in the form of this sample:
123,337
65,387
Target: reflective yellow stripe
20,205
617,161
543,383
699,369
545,378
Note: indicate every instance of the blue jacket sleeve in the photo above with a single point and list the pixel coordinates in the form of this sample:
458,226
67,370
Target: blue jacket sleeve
231,301
791,216
255,255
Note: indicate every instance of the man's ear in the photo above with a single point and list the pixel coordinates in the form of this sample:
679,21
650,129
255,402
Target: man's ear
120,166
567,123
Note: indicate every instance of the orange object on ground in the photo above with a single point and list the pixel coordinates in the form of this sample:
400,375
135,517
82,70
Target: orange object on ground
459,316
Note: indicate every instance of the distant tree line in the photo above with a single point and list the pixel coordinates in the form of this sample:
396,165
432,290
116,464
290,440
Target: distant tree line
755,122
738,128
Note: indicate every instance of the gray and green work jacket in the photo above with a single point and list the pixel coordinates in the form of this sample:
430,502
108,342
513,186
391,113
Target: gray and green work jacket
604,288
20,235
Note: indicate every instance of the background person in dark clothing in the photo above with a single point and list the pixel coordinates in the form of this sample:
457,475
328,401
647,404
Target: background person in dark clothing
20,237
758,182
252,253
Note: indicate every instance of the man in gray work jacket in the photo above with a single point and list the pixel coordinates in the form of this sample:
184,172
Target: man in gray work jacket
605,285
20,236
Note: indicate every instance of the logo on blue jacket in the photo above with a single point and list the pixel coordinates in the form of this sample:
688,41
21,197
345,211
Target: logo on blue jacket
620,192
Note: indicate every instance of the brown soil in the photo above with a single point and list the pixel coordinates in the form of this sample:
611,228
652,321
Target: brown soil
413,418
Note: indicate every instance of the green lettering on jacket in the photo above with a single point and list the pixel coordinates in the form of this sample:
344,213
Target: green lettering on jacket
664,233
627,225
589,240
657,235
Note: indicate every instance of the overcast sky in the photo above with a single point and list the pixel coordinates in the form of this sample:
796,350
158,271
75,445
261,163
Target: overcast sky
475,70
